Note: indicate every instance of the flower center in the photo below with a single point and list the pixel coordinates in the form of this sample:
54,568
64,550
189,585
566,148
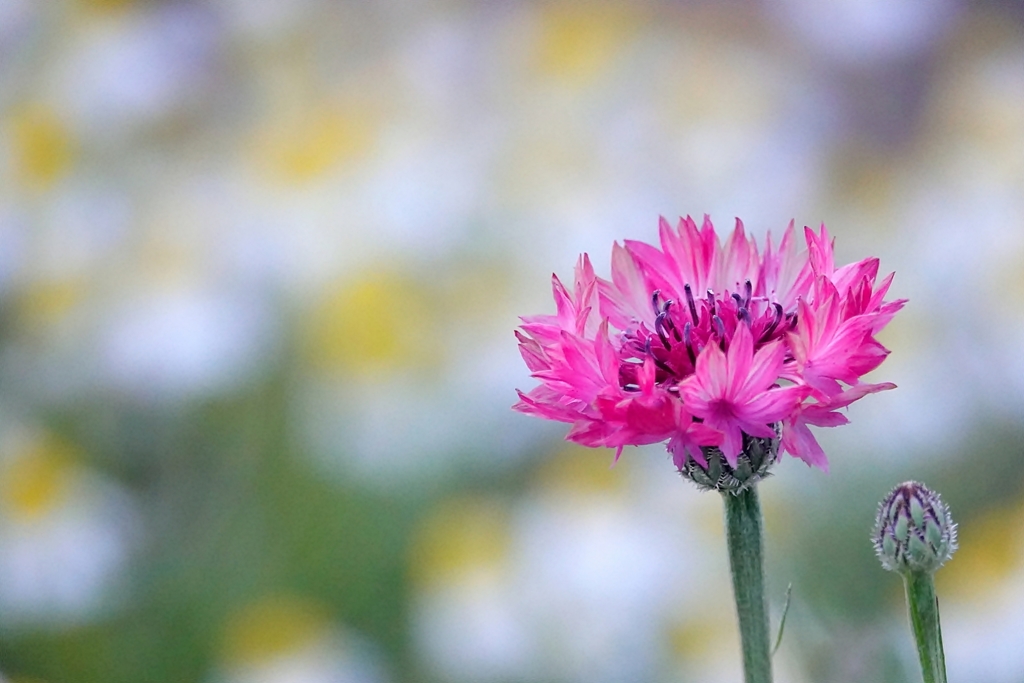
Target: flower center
681,331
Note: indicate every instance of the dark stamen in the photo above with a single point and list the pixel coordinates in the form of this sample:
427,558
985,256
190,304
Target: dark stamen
775,323
691,304
658,363
669,323
748,290
659,327
720,329
654,300
688,341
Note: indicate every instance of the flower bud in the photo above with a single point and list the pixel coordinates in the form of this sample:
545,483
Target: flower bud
752,465
914,531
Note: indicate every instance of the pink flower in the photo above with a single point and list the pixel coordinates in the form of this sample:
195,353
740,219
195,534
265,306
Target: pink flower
697,343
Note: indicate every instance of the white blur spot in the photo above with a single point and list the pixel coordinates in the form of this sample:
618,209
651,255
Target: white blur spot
169,344
867,30
329,659
139,68
62,567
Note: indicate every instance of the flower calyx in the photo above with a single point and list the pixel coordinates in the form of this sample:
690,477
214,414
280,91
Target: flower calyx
753,465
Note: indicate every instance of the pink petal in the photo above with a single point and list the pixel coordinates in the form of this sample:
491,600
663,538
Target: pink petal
797,440
739,361
732,443
774,405
764,368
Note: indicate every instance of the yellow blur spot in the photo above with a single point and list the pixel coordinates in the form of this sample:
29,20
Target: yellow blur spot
980,105
460,536
779,516
47,302
306,145
579,40
989,554
378,324
703,634
471,290
581,470
867,178
42,146
163,260
713,87
271,627
105,5
35,480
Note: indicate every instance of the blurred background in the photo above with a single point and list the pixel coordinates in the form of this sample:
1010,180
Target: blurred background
261,260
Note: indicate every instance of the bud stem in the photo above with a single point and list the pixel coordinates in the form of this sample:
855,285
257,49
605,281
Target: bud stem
924,619
745,537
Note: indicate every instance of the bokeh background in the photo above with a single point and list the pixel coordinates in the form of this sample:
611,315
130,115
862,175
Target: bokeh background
261,260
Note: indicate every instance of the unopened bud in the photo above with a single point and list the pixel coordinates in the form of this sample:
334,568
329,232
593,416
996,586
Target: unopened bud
914,531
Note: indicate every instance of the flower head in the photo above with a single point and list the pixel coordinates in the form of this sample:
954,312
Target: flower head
914,531
707,346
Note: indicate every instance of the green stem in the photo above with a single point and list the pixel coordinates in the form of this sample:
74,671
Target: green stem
924,618
745,536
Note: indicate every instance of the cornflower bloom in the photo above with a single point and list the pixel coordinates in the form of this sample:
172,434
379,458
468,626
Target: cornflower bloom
719,350
725,354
